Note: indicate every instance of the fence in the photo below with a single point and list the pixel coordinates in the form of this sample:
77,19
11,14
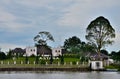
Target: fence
43,63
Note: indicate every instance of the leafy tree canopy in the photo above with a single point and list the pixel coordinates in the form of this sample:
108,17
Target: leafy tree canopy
104,52
100,33
72,44
115,55
43,37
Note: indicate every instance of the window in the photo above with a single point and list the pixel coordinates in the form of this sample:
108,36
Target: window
34,50
97,64
55,50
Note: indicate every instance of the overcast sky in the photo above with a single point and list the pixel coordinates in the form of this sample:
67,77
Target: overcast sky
21,20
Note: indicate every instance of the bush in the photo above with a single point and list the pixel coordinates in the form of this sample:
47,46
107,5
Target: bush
118,69
74,63
32,55
43,62
113,66
71,55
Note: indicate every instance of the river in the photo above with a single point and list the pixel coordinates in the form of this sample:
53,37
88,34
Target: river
59,75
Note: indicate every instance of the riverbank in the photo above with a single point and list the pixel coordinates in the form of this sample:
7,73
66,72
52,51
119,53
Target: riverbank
44,69
52,67
37,67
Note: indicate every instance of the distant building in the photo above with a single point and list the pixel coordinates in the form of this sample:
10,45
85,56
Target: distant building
17,52
38,50
31,51
43,50
57,51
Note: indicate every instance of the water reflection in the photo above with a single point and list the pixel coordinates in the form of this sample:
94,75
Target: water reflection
59,75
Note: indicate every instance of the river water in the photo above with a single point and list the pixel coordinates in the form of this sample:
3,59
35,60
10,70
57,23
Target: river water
59,75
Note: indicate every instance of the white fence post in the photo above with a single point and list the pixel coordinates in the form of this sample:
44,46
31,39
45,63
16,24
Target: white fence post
8,62
46,63
77,63
1,62
64,63
14,62
58,63
70,63
21,62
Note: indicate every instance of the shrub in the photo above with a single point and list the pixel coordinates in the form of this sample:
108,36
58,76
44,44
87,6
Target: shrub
32,55
43,62
71,55
74,63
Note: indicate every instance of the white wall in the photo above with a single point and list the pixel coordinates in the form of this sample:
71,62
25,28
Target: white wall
57,51
94,65
31,51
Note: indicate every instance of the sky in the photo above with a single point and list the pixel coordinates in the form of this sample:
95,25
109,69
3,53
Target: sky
21,20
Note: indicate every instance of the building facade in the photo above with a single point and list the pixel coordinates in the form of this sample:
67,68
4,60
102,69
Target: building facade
57,51
31,51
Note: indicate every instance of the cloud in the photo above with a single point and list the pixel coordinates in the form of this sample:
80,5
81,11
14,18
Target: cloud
6,46
80,12
63,18
9,22
116,45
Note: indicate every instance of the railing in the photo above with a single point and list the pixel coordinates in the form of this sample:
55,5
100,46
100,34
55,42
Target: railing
5,64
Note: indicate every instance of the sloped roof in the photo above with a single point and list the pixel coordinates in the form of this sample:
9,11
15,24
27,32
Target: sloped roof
98,56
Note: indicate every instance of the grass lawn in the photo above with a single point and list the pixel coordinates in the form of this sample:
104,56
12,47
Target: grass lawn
39,65
32,60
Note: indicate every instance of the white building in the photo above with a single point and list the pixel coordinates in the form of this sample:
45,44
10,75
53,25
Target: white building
31,51
96,65
57,51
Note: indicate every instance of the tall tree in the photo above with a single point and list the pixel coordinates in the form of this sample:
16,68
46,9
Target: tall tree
26,59
51,59
41,41
72,44
36,59
43,37
100,33
87,47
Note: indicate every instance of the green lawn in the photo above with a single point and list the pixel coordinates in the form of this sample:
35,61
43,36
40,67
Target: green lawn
32,60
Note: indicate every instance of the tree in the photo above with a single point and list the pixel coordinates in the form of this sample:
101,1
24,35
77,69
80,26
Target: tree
41,42
2,56
36,59
26,59
115,55
72,44
43,37
61,59
51,59
100,33
87,47
9,54
104,52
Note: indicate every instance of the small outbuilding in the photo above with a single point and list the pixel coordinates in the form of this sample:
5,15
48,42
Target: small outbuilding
98,61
